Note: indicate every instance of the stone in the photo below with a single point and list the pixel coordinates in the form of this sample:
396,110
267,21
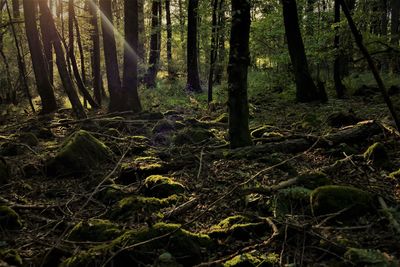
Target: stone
161,187
94,230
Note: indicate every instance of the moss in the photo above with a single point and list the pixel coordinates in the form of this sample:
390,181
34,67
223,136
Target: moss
239,227
140,168
94,230
348,200
9,219
369,257
272,135
4,172
313,180
137,205
378,155
111,194
223,118
181,244
250,260
113,132
11,257
161,186
191,135
291,200
259,131
28,138
395,175
80,154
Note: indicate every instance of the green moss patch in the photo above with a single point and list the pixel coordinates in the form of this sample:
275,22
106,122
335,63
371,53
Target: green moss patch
369,257
80,154
111,194
192,135
141,168
223,118
250,260
161,186
395,175
11,257
238,227
9,219
348,200
94,230
294,200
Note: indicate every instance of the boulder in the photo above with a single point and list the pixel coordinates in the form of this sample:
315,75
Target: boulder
140,168
94,230
251,260
294,200
192,135
377,154
161,187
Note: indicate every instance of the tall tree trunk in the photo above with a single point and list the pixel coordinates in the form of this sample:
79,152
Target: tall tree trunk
306,91
182,27
239,60
339,86
95,55
394,33
110,53
43,84
61,62
213,50
154,57
47,48
193,79
142,37
15,8
171,71
129,94
220,66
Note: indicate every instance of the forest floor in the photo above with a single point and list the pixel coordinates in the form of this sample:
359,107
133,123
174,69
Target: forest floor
307,193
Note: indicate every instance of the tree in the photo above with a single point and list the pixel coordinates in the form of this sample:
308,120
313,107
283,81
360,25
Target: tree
339,86
213,50
43,84
239,60
95,55
306,90
129,95
394,32
110,54
171,72
193,78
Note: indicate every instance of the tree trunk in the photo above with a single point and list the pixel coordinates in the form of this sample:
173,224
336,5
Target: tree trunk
47,48
220,66
95,57
44,87
182,28
129,95
394,32
110,54
15,8
171,71
339,86
142,34
214,48
154,57
193,79
61,62
306,90
239,60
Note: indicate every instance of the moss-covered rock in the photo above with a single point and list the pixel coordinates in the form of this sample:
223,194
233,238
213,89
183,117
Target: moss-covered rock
292,200
11,257
350,201
250,260
191,135
181,244
80,154
111,194
94,230
4,171
161,187
378,155
166,260
9,219
313,180
369,258
141,168
11,149
238,227
28,138
140,207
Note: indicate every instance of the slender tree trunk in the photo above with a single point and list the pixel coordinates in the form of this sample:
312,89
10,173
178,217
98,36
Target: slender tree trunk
47,48
81,52
95,58
306,90
142,34
394,33
239,60
171,71
43,84
339,86
182,28
15,8
61,62
193,78
110,53
220,66
129,97
154,57
214,49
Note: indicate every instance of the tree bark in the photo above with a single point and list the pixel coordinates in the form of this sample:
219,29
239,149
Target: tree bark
110,54
61,62
339,86
394,33
129,94
213,50
95,55
306,90
15,8
239,60
43,84
193,78
220,66
47,48
171,71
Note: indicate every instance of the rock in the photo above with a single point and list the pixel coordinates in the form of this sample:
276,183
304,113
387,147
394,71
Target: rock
183,245
370,257
140,206
111,194
140,168
11,257
190,135
166,260
161,187
250,260
238,227
377,154
313,180
11,149
294,200
341,119
5,174
145,115
94,230
350,201
9,219
80,154
28,139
